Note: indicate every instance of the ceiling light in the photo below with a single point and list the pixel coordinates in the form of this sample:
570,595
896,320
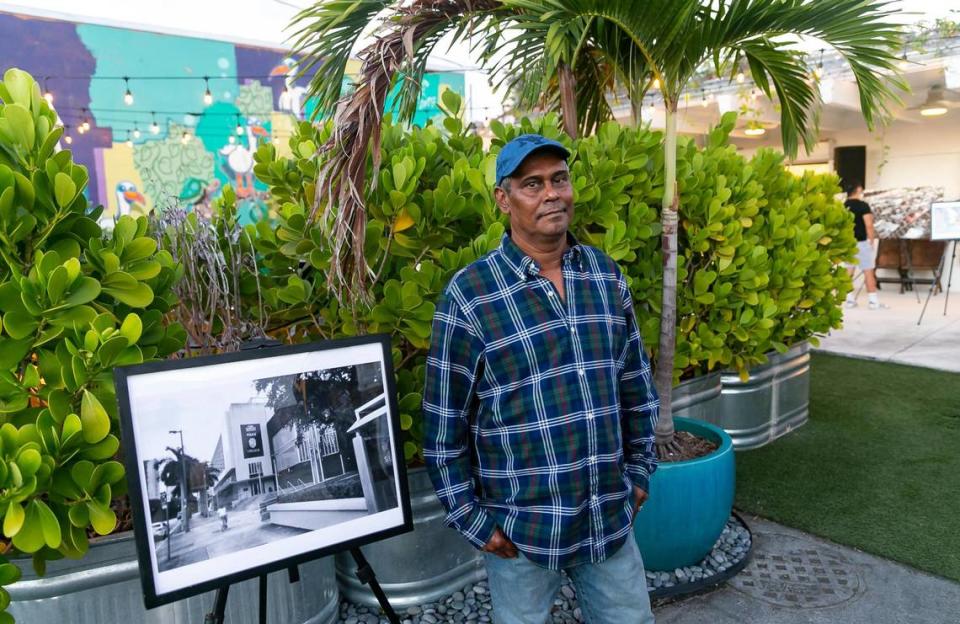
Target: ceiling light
933,111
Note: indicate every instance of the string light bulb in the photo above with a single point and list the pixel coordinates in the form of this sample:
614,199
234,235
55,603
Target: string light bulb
818,71
128,95
231,139
239,127
66,135
656,83
185,137
207,96
703,98
85,124
741,77
46,93
154,127
129,140
136,131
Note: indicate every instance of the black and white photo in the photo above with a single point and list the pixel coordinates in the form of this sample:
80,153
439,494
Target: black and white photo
249,460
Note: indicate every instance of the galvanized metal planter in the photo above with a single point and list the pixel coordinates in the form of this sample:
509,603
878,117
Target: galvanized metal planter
773,402
697,398
419,567
104,587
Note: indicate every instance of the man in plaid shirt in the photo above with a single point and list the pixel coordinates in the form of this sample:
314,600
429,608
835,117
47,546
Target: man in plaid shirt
540,407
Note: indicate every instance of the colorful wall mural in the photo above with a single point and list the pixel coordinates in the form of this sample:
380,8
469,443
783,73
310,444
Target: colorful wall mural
168,142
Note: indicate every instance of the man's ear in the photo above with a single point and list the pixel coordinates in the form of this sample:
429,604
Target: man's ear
500,196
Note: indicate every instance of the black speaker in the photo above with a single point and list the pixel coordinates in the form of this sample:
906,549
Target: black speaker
851,164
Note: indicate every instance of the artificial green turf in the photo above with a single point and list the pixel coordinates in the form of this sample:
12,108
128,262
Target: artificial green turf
877,467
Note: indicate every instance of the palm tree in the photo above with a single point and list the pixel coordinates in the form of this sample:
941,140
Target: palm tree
633,44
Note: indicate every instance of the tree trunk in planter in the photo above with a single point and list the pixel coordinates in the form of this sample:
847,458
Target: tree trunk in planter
414,568
105,588
774,401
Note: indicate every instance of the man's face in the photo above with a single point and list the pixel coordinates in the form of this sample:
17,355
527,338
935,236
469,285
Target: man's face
540,197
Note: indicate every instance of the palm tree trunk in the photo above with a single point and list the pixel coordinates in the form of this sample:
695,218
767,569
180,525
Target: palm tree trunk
663,378
568,100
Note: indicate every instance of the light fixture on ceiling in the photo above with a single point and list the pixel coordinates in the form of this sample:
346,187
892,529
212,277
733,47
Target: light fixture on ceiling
935,105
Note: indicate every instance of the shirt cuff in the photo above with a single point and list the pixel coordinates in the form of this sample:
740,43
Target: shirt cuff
639,477
478,527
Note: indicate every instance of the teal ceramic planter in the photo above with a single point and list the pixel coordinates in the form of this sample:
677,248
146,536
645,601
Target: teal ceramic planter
689,504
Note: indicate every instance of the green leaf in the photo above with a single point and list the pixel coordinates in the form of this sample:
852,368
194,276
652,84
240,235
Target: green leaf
13,519
84,290
105,449
20,324
65,189
96,423
9,574
57,283
111,349
101,517
29,462
138,249
49,525
79,515
81,472
132,328
139,297
12,352
21,122
30,538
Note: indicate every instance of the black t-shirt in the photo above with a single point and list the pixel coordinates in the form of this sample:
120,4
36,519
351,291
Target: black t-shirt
859,208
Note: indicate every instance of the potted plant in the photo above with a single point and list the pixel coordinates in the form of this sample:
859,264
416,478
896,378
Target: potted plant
808,232
75,303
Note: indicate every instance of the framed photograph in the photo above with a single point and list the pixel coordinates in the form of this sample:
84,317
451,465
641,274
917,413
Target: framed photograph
245,463
945,220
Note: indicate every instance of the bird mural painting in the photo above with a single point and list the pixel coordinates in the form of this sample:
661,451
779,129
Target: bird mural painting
292,98
239,158
129,199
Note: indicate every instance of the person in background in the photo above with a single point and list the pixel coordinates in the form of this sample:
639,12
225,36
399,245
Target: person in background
867,242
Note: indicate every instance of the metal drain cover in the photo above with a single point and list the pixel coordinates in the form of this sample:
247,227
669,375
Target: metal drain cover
798,574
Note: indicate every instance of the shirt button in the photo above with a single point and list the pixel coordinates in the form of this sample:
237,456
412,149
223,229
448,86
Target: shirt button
589,414
582,372
573,330
549,293
594,498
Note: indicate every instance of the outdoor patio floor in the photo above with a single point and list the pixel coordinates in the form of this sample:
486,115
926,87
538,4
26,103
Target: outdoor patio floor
893,335
796,578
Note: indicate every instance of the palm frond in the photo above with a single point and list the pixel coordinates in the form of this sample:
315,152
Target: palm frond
402,45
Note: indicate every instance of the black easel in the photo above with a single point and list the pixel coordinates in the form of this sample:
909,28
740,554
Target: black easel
365,572
368,577
220,602
936,280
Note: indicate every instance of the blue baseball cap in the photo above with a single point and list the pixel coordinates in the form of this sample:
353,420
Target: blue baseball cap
513,154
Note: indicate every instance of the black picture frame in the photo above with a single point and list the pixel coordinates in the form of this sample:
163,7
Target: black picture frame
132,462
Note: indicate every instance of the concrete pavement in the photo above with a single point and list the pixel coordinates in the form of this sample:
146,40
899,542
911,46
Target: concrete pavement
796,578
893,335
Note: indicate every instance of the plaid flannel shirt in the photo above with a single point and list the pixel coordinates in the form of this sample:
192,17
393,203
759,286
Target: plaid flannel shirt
539,412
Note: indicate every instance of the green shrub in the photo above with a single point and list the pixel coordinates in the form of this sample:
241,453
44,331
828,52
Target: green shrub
757,245
75,304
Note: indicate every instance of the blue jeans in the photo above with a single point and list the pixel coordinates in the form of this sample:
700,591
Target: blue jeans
611,592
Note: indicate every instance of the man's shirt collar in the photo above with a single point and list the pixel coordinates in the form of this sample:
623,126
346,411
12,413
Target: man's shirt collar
525,266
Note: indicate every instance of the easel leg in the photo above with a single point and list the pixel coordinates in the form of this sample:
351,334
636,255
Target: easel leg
953,259
219,607
937,274
367,577
263,599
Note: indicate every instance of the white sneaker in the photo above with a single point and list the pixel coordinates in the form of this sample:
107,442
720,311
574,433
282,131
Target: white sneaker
850,304
876,305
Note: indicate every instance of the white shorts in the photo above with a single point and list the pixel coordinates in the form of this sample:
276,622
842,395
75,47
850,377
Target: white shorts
866,256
